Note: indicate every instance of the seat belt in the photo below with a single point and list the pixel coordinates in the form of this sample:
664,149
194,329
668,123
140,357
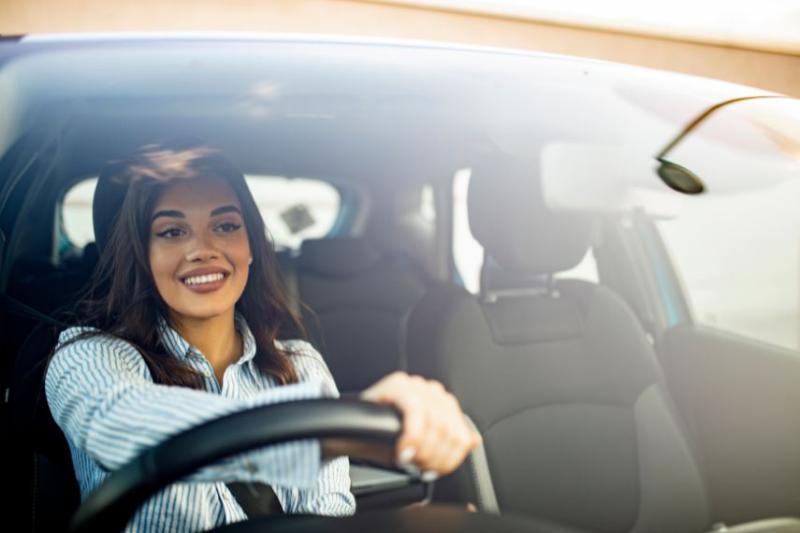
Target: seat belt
256,499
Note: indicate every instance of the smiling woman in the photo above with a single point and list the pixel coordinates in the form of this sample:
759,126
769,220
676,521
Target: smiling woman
161,212
186,293
199,256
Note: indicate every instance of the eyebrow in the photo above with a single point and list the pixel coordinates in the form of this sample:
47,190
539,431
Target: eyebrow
225,209
168,213
215,212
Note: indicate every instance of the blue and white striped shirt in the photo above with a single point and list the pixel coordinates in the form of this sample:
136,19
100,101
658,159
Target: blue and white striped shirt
103,398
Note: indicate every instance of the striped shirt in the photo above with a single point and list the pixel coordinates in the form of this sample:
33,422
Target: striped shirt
103,398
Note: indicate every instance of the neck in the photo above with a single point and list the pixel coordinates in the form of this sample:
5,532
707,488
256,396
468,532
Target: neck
216,338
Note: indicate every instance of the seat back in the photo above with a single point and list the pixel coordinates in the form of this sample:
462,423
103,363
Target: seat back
45,490
361,300
559,377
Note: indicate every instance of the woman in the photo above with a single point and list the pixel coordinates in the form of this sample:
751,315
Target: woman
184,323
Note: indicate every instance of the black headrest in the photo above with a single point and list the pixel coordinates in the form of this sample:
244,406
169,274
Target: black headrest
337,257
508,216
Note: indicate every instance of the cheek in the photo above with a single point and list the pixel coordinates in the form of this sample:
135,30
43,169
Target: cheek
240,253
162,265
239,256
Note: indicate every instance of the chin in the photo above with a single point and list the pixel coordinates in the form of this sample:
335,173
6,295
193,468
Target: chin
201,313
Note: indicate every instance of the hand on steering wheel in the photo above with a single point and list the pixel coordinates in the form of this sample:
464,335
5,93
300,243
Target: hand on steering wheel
112,504
429,423
435,438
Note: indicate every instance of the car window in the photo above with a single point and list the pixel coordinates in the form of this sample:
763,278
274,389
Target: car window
293,210
738,257
736,249
468,252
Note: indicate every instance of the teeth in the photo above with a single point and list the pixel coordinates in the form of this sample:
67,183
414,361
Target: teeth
208,278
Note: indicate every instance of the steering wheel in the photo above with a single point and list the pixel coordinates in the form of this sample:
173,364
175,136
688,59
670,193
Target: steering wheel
111,505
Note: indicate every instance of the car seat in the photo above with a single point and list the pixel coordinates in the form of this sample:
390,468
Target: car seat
361,299
557,375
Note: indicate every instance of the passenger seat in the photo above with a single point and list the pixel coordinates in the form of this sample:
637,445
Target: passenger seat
557,375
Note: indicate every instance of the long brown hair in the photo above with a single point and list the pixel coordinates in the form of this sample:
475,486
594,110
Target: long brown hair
122,299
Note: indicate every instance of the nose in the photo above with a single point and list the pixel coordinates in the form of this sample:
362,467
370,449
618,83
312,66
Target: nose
202,250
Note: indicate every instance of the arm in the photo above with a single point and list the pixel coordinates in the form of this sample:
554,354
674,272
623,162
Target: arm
330,495
101,395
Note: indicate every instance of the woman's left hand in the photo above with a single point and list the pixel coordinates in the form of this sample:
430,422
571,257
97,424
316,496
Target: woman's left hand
435,436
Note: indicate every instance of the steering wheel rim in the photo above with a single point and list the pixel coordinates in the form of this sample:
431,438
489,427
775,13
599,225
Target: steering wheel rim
110,506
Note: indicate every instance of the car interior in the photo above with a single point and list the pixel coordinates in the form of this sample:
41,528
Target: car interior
602,404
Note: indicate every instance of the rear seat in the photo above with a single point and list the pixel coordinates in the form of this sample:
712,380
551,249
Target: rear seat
361,299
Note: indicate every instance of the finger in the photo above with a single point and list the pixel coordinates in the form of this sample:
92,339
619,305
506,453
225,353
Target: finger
428,444
460,437
414,427
443,445
445,454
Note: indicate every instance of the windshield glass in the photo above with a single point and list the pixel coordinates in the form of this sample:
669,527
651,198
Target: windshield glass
524,187
735,246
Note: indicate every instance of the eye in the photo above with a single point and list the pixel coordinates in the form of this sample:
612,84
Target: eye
228,227
170,233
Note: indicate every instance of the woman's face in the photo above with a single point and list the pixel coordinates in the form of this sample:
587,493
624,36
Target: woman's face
199,252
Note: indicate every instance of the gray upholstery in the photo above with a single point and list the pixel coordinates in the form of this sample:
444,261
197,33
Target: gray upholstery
507,216
337,258
562,383
360,300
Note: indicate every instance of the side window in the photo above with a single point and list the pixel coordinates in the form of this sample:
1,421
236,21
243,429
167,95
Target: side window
293,209
468,252
76,214
738,259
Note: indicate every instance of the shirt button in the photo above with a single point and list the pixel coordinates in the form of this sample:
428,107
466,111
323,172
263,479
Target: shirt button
250,467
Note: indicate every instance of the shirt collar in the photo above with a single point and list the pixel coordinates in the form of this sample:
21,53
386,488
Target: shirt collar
180,347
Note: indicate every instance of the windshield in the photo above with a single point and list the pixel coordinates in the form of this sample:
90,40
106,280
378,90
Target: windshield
528,188
735,245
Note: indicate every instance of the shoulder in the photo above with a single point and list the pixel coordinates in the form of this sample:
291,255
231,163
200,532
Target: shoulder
90,347
307,361
298,347
301,353
91,338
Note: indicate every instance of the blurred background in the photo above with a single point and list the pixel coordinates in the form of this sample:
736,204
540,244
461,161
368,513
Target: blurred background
744,41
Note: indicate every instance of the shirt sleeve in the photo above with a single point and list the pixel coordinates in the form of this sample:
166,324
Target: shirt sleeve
101,395
330,494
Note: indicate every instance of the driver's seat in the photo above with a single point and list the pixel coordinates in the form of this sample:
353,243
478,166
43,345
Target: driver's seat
45,490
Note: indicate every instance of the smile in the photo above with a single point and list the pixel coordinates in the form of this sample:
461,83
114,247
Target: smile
204,280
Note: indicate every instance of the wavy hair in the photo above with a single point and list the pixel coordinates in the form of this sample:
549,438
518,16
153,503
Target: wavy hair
121,298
